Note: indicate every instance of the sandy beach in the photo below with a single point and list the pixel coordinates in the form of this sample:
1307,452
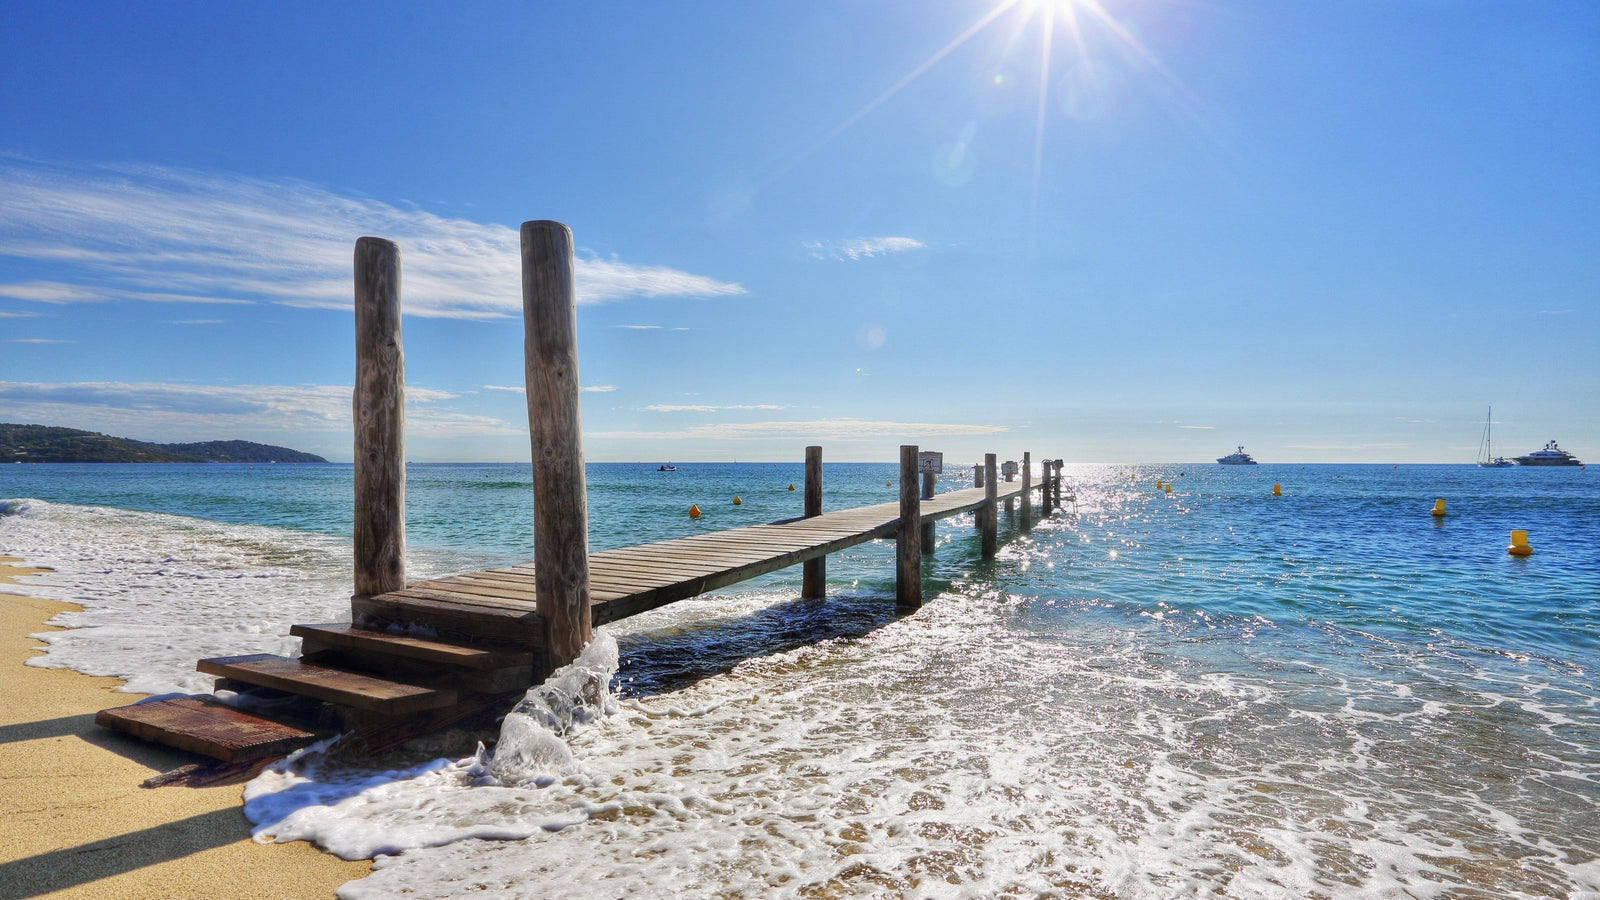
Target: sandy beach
75,821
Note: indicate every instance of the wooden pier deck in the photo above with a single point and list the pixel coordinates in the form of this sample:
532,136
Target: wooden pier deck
500,604
420,656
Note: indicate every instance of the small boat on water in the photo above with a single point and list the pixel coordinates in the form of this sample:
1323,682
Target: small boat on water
1486,457
1238,458
667,468
1551,455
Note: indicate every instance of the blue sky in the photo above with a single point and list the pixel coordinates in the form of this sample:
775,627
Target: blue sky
1125,231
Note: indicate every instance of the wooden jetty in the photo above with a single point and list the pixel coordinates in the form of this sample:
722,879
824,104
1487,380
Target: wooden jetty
422,655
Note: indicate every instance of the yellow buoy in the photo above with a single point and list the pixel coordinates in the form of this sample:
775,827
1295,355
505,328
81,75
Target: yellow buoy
737,502
694,511
887,483
1169,488
1277,490
1519,544
1159,485
1438,508
791,487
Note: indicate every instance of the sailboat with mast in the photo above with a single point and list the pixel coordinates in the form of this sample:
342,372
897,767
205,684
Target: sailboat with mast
1486,457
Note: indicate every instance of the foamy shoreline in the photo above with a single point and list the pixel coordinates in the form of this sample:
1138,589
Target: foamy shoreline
76,818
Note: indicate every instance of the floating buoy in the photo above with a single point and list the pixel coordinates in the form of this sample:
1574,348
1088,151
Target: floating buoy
737,502
1438,508
1519,544
1169,488
791,487
887,483
694,511
1159,485
1277,490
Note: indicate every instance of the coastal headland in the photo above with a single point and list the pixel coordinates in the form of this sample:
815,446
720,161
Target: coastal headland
77,824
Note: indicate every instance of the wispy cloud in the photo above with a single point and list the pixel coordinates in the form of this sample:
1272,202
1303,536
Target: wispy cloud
39,341
842,430
167,235
49,292
179,409
1197,427
588,388
701,407
862,248
17,315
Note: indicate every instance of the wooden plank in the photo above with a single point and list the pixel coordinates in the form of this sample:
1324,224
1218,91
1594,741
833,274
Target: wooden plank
425,591
346,636
485,590
493,625
330,685
206,727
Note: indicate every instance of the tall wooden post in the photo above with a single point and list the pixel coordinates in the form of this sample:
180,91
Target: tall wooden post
991,521
814,572
908,540
1056,483
560,508
1010,477
378,408
977,475
928,534
1044,491
1027,491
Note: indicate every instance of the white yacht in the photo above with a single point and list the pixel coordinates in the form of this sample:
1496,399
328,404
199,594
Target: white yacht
1551,455
1238,458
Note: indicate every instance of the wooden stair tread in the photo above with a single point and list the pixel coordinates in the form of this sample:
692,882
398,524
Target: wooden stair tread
350,689
206,727
425,649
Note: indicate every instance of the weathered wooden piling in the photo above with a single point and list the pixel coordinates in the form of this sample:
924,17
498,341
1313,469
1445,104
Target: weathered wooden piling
908,540
991,520
1044,490
1027,498
378,407
560,510
814,572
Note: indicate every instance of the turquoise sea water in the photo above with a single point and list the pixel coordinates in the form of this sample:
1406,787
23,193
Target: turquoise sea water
1215,692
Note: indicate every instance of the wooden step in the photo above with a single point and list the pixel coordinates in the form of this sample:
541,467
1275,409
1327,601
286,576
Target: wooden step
331,685
348,637
206,727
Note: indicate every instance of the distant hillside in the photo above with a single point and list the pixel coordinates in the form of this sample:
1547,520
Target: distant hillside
48,444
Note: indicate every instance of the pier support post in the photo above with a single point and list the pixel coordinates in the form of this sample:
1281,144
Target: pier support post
378,408
1027,491
927,526
560,507
1011,505
1056,483
908,540
1044,490
814,572
977,475
991,521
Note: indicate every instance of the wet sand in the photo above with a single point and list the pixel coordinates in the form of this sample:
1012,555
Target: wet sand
75,822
